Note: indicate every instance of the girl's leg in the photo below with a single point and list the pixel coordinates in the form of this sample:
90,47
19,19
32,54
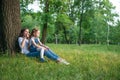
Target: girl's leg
42,53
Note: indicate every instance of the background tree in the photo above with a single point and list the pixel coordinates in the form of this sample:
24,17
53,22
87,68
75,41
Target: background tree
46,14
64,19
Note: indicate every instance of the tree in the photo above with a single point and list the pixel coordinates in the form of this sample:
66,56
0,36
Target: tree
46,11
86,19
63,23
80,22
115,34
9,25
51,7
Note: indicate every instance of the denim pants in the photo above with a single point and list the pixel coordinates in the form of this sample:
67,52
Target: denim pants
51,55
48,53
33,54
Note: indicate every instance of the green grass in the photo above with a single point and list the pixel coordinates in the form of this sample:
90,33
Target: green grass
87,62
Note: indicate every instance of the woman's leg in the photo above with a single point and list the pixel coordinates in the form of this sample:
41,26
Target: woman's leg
58,59
33,54
50,55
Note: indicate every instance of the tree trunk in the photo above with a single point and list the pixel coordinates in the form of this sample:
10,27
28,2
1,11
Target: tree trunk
56,39
80,31
9,25
80,24
108,32
65,34
44,31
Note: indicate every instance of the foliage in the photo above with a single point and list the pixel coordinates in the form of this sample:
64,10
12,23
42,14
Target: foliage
64,19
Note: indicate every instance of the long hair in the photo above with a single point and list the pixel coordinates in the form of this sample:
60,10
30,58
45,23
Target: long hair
33,31
20,35
22,32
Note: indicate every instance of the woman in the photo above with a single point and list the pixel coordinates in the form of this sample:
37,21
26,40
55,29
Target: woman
23,41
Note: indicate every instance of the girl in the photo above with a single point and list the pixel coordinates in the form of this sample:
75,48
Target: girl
35,44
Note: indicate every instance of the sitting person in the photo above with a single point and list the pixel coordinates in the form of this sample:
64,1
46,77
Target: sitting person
36,45
23,41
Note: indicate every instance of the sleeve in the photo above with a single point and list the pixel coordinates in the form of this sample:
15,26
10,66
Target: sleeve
32,41
20,39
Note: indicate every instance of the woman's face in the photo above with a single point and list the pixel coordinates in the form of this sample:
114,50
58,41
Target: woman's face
26,33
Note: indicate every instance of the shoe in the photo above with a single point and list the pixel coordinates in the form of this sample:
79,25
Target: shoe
64,62
42,60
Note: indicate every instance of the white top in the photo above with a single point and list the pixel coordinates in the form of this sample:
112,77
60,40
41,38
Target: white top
24,50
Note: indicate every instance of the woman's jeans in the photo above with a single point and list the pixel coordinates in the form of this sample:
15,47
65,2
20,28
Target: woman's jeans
51,55
48,53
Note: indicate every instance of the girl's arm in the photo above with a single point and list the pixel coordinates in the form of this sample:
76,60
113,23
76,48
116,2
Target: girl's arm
36,45
39,42
42,44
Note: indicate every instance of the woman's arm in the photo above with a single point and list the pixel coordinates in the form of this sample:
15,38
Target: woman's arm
22,42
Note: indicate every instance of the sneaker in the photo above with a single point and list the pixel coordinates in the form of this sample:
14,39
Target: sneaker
64,62
42,60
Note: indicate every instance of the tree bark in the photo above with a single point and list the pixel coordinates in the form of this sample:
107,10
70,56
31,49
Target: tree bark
9,25
80,24
44,31
65,34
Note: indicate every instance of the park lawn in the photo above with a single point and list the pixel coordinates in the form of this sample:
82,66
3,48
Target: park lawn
87,62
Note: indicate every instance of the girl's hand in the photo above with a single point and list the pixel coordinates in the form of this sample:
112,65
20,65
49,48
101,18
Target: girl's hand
46,47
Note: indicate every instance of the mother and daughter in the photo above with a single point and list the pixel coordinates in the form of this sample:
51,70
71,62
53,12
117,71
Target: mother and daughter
31,46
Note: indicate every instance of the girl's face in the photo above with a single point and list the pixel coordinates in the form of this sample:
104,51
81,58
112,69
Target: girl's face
37,34
26,33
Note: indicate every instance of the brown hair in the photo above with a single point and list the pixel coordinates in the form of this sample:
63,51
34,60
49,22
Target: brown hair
33,31
20,35
22,32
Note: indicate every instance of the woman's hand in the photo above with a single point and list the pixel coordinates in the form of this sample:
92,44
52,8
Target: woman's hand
23,42
27,36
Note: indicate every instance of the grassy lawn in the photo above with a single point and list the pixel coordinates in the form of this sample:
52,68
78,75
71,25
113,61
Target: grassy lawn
87,62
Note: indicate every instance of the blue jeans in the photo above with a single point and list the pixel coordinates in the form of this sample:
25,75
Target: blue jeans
33,54
51,55
48,53
33,49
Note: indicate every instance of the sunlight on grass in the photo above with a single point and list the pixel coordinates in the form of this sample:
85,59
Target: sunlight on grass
87,62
